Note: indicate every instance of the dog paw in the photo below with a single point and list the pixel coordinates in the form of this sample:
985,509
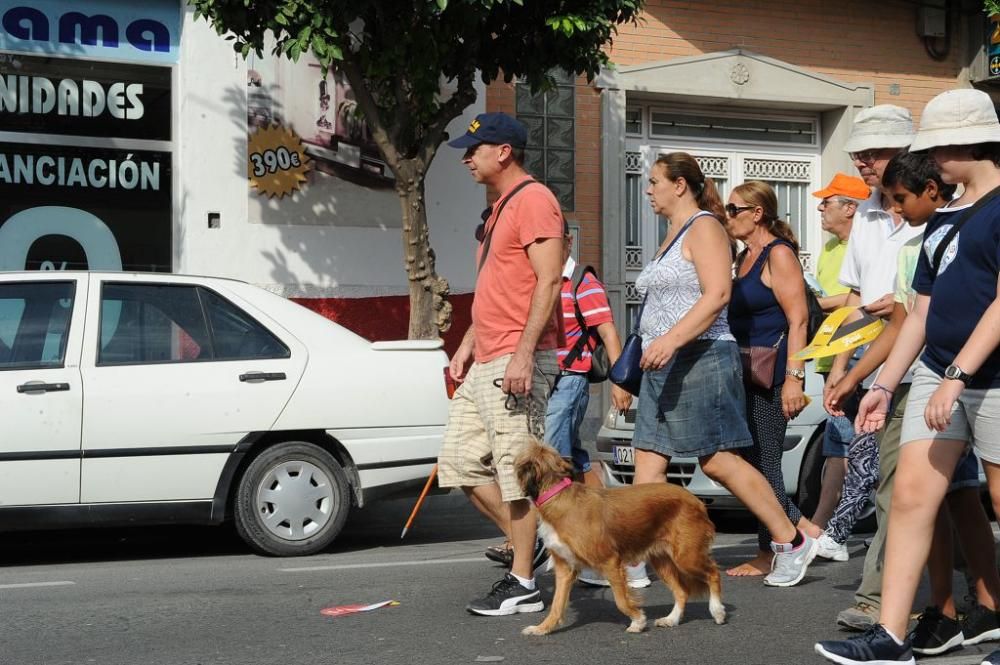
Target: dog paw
671,620
534,630
638,625
718,612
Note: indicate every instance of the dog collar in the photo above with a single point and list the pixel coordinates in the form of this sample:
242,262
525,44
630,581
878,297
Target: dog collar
552,491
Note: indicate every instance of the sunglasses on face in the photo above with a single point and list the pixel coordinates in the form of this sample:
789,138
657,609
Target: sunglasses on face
732,209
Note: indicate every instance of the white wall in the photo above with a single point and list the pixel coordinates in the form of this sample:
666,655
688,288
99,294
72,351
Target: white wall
307,260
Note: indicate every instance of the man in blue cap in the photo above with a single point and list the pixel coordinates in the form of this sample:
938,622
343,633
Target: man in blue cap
506,362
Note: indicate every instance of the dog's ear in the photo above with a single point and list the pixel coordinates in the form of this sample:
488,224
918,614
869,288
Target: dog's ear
527,475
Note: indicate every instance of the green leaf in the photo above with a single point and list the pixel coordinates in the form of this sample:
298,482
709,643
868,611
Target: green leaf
442,4
280,19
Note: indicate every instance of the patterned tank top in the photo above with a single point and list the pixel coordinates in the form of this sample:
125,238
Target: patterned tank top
671,288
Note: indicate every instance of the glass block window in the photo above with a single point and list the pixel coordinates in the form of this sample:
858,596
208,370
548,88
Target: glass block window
551,153
775,130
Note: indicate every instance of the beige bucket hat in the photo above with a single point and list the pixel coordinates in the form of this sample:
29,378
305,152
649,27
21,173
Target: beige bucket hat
957,117
882,126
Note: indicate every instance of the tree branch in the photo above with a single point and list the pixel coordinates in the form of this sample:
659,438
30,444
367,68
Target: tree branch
370,110
464,95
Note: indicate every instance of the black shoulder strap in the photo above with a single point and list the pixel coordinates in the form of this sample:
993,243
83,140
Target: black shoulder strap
953,231
579,272
489,233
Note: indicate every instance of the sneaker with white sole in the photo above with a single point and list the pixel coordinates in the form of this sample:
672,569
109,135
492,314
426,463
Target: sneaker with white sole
873,647
790,564
935,633
540,560
506,597
636,575
828,548
981,624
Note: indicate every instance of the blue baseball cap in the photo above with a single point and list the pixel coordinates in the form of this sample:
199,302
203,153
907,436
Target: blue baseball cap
498,128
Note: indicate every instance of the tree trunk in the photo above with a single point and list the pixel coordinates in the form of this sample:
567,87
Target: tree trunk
430,311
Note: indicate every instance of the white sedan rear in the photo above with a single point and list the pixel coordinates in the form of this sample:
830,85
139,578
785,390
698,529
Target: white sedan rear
152,398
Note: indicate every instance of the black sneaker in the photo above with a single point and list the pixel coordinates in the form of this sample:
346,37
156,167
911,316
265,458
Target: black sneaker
992,659
541,557
935,633
507,597
502,554
981,624
872,646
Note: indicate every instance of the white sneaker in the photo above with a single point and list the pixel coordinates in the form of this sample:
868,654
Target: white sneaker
637,577
789,565
828,548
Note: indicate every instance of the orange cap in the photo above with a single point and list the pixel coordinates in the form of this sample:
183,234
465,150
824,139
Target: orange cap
845,185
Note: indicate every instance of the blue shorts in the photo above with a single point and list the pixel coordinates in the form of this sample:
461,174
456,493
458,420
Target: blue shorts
839,430
966,473
695,405
563,417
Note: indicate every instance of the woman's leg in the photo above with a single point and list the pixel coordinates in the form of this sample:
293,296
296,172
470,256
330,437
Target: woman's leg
767,427
747,484
650,467
940,562
862,474
924,471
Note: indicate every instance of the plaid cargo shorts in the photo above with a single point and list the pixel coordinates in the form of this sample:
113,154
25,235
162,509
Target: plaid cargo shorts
484,436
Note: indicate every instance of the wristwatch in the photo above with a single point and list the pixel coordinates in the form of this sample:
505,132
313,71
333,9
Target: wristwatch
956,372
799,374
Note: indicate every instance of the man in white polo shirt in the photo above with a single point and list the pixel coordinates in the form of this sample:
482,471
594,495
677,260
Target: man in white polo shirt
869,270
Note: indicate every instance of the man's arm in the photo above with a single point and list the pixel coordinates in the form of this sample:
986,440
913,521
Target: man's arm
830,303
460,361
545,256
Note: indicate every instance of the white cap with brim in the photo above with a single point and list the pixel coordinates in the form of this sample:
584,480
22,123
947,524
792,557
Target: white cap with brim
882,126
957,117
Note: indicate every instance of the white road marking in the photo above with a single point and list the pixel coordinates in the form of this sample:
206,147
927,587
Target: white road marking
28,585
387,564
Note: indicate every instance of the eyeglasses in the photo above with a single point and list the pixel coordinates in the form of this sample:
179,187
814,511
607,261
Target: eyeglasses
732,209
481,228
866,156
511,402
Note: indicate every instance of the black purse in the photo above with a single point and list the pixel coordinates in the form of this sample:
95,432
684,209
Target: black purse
626,372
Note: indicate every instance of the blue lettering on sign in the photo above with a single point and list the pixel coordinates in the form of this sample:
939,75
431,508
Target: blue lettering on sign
141,32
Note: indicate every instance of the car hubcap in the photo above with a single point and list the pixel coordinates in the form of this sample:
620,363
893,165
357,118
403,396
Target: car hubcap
295,500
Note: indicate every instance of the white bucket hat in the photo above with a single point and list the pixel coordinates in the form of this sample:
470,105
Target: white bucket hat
957,117
882,126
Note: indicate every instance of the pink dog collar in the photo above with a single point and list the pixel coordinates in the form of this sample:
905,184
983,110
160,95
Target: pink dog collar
552,491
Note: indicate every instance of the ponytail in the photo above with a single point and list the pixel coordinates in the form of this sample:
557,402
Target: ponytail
708,199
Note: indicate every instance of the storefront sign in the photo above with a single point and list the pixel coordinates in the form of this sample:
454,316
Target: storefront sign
276,161
84,208
84,98
148,31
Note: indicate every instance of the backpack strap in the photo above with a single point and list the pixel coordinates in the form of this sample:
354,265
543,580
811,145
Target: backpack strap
579,272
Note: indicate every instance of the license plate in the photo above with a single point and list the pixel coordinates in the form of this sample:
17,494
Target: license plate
624,455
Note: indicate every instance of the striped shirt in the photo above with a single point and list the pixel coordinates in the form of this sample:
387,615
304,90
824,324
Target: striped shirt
593,301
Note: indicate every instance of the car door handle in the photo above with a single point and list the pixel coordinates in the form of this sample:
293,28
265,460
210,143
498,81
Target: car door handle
253,377
40,387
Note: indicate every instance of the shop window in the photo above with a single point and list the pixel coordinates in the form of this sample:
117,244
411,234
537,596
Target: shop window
551,153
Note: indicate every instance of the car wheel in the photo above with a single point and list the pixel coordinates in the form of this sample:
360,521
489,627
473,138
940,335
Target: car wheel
811,482
292,500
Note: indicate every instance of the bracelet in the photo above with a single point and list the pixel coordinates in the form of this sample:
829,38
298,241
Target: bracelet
877,386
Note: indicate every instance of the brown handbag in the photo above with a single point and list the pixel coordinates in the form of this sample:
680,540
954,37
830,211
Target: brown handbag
758,364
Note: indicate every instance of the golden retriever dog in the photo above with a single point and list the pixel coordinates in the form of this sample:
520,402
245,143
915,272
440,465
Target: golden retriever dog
605,529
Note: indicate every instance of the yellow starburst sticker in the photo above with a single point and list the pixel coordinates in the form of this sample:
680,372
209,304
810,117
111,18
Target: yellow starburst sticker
277,163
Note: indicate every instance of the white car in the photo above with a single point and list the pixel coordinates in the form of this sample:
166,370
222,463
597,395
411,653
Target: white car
802,464
157,398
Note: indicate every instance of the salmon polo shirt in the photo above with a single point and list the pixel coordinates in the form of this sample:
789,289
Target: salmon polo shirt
506,282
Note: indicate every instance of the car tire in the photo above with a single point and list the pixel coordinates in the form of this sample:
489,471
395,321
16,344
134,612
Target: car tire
811,480
292,500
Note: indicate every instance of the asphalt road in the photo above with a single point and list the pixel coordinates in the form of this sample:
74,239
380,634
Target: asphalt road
190,596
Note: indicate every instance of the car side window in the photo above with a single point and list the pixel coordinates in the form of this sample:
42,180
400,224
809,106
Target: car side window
34,324
236,335
152,323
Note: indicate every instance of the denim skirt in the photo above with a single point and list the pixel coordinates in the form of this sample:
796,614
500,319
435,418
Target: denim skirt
695,405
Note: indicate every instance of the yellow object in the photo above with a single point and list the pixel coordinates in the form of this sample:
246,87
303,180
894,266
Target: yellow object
837,335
